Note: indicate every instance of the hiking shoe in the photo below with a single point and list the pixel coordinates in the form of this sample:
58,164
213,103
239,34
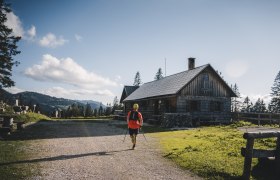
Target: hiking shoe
133,146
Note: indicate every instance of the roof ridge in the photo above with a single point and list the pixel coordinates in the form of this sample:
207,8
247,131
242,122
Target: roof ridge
177,73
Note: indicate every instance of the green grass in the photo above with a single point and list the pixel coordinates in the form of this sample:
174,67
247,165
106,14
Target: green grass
12,156
86,118
31,117
210,152
13,153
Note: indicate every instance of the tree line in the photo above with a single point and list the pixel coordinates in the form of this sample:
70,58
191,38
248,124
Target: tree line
78,110
259,106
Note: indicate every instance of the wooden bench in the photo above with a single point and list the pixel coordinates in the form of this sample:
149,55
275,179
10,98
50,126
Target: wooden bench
249,152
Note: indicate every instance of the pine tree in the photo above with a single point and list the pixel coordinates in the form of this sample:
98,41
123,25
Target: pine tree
100,111
235,104
8,48
247,105
259,106
115,104
108,110
74,110
88,111
274,105
95,112
137,79
159,75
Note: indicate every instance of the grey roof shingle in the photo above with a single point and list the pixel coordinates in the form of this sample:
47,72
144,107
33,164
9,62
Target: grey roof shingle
130,89
127,90
169,85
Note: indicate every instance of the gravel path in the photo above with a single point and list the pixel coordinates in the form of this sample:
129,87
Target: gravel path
84,150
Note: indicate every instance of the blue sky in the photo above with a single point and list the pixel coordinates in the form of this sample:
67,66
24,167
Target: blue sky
89,49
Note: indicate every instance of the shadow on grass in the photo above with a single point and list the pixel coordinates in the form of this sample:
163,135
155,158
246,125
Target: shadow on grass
63,157
266,169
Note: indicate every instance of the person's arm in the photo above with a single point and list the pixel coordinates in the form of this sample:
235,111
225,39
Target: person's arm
141,119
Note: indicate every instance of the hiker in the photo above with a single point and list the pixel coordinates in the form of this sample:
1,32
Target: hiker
135,122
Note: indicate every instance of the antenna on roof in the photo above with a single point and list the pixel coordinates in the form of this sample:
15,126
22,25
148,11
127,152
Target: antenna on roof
165,66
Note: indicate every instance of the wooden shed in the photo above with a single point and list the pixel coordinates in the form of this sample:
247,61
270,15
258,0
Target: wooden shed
199,93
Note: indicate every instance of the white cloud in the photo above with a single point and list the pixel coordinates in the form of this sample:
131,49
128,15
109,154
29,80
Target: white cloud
14,23
50,40
67,71
236,69
32,32
14,90
78,37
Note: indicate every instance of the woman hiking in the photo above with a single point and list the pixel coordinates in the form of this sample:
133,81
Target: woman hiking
134,122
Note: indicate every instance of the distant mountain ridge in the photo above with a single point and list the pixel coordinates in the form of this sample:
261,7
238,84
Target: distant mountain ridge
46,104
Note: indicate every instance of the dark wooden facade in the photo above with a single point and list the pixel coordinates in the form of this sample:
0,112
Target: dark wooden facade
206,96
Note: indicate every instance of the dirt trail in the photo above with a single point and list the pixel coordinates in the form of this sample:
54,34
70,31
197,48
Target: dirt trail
83,150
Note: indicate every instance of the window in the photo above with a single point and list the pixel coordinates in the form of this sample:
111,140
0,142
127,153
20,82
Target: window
216,106
205,81
205,84
193,106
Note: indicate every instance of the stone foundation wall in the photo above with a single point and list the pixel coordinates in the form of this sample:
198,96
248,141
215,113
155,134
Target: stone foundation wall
170,120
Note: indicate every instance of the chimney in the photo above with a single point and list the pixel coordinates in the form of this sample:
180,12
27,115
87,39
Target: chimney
191,63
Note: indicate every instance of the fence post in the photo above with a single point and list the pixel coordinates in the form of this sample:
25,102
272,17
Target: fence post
277,152
248,158
238,117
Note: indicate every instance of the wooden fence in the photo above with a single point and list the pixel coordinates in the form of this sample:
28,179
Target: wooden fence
260,118
249,152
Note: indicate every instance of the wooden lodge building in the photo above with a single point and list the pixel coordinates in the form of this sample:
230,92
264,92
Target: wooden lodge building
183,99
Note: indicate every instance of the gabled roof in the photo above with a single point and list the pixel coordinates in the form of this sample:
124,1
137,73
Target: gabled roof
127,90
169,85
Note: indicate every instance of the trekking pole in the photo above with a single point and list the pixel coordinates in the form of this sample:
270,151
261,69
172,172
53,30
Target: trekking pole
143,134
125,135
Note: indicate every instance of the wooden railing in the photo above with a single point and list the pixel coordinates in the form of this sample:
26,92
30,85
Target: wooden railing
272,118
249,152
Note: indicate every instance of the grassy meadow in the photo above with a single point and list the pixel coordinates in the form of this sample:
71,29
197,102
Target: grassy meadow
14,152
211,152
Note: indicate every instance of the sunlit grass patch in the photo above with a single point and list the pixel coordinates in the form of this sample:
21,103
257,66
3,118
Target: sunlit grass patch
31,117
211,152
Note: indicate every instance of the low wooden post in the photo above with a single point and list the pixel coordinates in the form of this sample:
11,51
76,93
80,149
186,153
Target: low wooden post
248,158
277,152
238,118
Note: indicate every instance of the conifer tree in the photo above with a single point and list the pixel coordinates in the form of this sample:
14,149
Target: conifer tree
159,75
88,111
247,105
274,105
235,102
115,104
259,106
8,48
137,79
